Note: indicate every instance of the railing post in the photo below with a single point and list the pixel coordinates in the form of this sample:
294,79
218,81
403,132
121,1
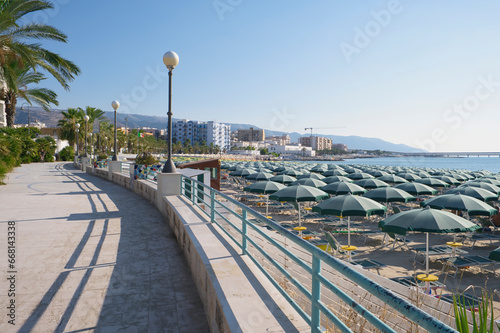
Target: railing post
212,205
315,294
244,231
193,192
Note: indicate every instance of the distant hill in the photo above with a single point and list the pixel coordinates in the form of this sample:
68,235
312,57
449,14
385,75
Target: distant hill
136,120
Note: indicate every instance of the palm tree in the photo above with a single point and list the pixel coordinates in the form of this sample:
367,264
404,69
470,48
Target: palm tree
68,125
15,47
22,78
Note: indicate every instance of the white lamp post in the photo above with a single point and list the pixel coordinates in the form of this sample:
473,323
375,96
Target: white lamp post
86,118
170,59
77,139
115,105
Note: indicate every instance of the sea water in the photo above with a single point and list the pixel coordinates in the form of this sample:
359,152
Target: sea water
466,163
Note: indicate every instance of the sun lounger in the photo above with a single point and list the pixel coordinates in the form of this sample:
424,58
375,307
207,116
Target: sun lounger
368,263
464,262
412,282
336,248
435,251
481,237
396,239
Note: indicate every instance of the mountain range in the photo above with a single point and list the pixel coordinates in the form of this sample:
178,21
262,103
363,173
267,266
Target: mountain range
135,120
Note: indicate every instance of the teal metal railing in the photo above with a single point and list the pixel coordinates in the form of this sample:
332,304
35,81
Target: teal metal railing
233,218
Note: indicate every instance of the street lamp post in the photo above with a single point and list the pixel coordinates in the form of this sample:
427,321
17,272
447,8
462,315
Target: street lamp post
77,139
115,105
86,118
170,59
29,118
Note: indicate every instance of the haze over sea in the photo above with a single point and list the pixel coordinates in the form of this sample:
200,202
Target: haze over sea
468,163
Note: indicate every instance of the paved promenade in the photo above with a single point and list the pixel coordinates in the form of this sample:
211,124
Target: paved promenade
89,256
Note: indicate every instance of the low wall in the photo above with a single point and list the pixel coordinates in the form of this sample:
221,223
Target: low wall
236,296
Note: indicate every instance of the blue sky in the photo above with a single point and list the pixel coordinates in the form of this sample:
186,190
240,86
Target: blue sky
421,73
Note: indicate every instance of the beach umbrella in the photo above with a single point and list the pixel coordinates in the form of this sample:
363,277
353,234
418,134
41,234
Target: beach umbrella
352,170
447,179
265,187
312,176
349,205
333,179
292,172
475,192
393,179
242,172
389,194
460,202
426,220
334,172
432,182
371,183
260,176
416,188
360,175
409,176
299,193
488,180
487,186
309,182
339,188
423,174
378,173
283,179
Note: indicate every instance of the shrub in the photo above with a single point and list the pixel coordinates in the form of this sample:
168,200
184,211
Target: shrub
146,159
67,154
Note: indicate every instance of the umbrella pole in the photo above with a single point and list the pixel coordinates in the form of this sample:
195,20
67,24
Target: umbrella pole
349,231
427,253
267,205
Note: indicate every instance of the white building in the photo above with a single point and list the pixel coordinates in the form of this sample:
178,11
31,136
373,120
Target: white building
218,134
292,149
199,131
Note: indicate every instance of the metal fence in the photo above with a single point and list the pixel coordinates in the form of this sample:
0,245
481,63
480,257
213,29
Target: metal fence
303,273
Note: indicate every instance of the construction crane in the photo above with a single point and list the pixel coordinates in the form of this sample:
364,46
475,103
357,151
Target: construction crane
313,128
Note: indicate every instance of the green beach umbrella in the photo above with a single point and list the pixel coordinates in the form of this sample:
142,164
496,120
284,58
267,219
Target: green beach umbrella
389,194
260,176
371,183
409,176
448,180
283,179
460,202
311,176
309,182
392,179
434,182
426,220
339,188
299,193
242,172
486,186
334,179
265,187
349,205
334,172
416,188
292,172
475,192
360,175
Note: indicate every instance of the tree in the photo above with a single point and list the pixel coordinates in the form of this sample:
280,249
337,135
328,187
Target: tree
15,47
71,117
21,78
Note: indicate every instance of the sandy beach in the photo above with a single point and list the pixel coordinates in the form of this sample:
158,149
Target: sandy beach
397,260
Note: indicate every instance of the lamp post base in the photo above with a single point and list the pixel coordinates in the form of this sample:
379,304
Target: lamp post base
114,158
169,167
